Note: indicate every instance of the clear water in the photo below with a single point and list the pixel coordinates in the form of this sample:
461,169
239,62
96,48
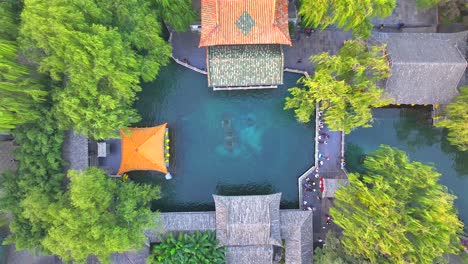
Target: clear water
229,142
242,142
409,129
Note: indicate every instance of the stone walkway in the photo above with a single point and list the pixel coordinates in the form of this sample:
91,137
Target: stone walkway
328,162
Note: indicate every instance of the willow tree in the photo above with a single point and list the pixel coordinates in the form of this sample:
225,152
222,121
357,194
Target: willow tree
457,120
396,212
20,89
97,51
345,84
353,15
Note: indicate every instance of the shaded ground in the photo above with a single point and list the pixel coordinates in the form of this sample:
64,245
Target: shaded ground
6,156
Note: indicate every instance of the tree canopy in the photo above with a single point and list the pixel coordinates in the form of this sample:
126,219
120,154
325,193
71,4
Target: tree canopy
98,51
20,86
99,215
353,15
346,86
20,90
196,248
457,120
396,212
36,183
333,252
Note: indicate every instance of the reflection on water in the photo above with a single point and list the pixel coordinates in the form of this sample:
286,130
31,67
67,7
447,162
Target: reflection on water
225,142
410,129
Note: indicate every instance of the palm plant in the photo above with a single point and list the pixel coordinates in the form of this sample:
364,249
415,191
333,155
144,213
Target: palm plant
185,248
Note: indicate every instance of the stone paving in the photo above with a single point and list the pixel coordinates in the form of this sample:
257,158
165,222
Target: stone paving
329,166
6,156
185,48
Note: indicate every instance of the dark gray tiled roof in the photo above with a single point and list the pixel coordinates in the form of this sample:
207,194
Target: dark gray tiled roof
426,67
248,220
249,254
75,151
297,231
295,228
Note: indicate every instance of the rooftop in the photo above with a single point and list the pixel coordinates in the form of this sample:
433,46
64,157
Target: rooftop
235,22
426,67
245,65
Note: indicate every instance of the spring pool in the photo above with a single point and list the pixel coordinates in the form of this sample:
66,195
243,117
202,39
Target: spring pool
224,142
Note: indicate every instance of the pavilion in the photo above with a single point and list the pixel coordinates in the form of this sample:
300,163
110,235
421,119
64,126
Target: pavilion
243,41
144,149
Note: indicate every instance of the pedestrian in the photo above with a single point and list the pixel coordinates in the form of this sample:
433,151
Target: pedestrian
323,227
328,222
321,162
400,25
319,137
313,209
305,202
319,198
315,190
319,240
381,27
321,141
316,176
320,113
327,158
299,61
308,208
313,183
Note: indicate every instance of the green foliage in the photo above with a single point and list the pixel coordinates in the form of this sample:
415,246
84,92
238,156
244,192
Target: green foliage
20,87
20,90
37,182
99,215
425,4
333,252
196,248
353,15
9,18
457,120
99,50
178,15
396,212
346,86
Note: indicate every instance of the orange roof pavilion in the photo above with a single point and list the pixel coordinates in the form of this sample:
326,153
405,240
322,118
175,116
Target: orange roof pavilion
143,149
239,22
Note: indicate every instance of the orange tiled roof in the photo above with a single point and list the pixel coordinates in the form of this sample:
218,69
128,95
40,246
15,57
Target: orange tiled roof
266,22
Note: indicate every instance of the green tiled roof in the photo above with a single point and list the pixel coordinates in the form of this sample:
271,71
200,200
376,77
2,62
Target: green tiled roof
245,65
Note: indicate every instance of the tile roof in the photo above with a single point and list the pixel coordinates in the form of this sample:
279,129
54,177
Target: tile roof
245,65
236,22
426,67
248,220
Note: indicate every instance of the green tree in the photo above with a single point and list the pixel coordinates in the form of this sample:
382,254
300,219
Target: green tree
457,120
99,215
98,51
333,252
396,212
347,14
346,86
20,89
196,248
178,15
38,180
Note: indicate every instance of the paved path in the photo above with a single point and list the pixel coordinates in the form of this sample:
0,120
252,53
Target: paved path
328,160
6,156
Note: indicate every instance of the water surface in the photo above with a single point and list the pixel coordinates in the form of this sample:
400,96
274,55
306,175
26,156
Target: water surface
231,143
410,129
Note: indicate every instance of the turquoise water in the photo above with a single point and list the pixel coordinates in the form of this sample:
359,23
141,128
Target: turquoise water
409,129
242,142
232,143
